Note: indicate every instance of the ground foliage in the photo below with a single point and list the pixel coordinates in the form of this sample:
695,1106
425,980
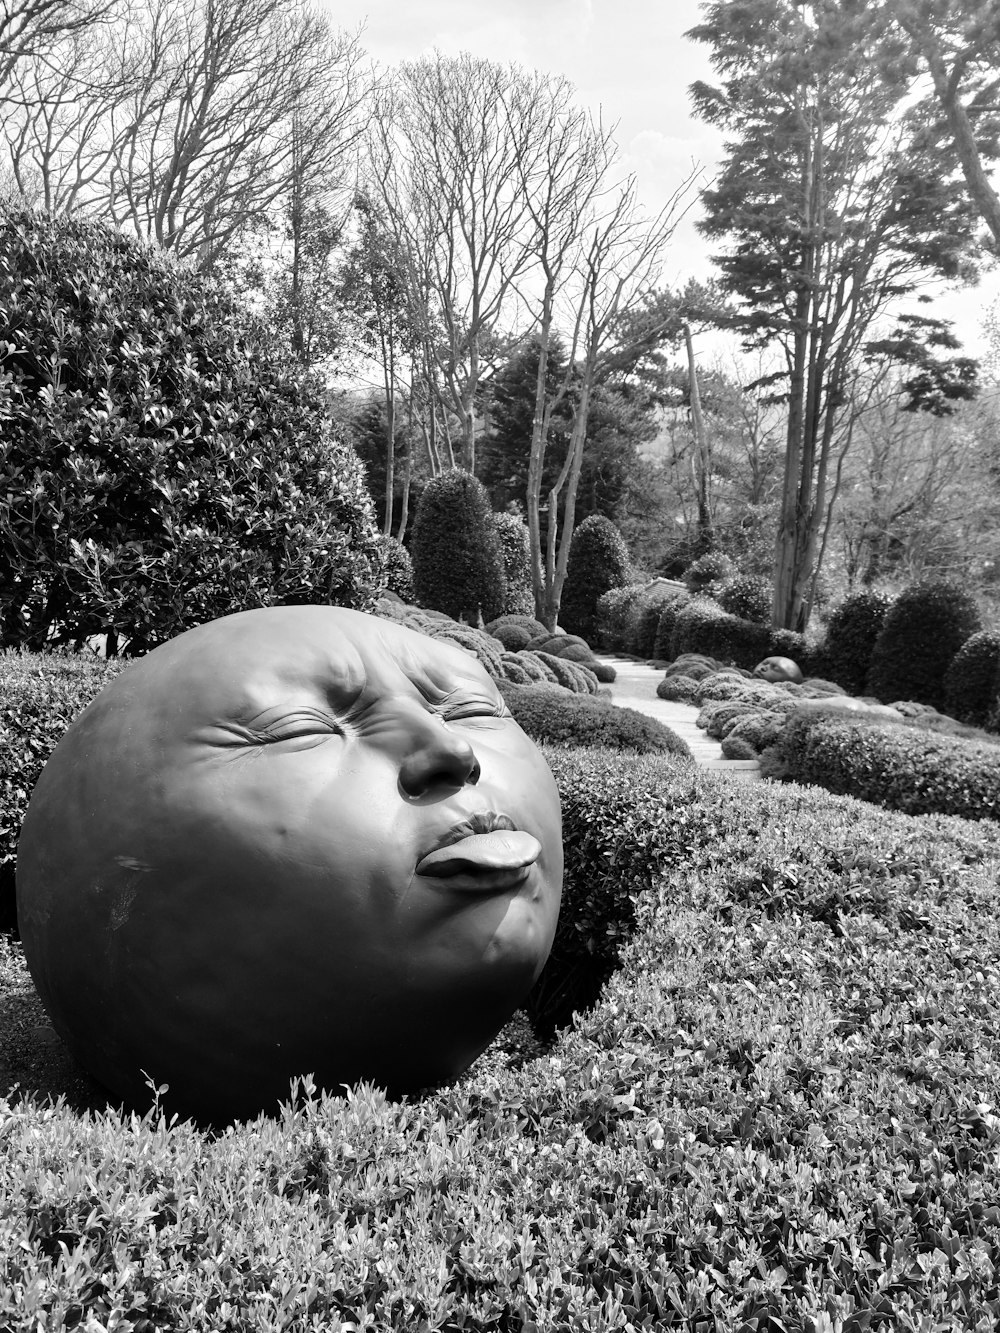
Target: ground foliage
781,1114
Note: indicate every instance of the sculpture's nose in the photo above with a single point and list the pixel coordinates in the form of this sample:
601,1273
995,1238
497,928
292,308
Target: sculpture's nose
436,756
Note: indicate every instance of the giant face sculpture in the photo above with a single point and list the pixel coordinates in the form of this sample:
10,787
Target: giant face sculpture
778,668
294,840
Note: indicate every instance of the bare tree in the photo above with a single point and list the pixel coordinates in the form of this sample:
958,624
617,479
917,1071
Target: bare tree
916,496
617,322
190,121
30,28
448,163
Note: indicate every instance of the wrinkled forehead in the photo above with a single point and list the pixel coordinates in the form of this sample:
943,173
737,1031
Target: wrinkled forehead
342,656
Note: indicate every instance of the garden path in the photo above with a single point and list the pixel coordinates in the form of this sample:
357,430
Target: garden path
635,687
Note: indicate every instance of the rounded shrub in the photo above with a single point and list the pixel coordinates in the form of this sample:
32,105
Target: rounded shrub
738,747
708,571
667,621
161,466
515,553
970,679
598,561
851,631
457,562
614,618
746,596
703,627
513,637
398,567
678,689
548,713
924,629
528,623
649,609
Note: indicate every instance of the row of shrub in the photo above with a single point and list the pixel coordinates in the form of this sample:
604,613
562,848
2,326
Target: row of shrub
900,765
904,757
781,1112
927,645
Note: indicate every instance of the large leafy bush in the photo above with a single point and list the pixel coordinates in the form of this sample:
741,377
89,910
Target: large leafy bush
970,682
515,552
616,617
598,560
701,626
922,632
458,566
159,467
851,632
746,596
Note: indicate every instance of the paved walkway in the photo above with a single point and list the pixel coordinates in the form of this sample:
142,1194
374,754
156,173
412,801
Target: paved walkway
635,687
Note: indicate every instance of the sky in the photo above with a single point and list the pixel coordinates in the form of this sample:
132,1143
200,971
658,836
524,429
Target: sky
630,60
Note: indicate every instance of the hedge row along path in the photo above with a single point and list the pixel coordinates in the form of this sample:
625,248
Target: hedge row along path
635,687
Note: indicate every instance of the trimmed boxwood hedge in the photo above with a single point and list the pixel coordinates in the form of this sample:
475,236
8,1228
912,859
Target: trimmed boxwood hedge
781,1113
39,696
898,765
549,713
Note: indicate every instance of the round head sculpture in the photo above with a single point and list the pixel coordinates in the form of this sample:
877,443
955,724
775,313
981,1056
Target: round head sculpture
294,840
778,668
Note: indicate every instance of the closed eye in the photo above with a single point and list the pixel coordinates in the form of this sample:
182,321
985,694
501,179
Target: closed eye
294,726
463,709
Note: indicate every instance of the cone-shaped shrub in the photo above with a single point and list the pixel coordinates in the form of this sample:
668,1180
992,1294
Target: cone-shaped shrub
515,552
160,465
457,565
746,596
851,632
598,561
971,677
398,568
924,629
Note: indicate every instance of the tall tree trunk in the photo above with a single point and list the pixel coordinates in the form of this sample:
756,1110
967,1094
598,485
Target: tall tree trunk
578,439
703,454
536,463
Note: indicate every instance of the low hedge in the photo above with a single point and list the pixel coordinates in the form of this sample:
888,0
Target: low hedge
549,713
39,697
781,1113
899,765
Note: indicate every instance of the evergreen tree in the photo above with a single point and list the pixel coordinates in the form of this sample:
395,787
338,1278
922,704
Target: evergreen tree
834,202
457,564
598,561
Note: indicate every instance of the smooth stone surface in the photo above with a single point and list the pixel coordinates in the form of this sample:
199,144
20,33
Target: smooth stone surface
218,875
779,668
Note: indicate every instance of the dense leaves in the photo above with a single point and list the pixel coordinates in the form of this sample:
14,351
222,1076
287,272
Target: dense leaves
781,1112
160,468
851,631
899,766
457,562
921,633
598,561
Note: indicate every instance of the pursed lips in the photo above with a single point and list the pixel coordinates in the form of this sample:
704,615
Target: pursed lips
487,849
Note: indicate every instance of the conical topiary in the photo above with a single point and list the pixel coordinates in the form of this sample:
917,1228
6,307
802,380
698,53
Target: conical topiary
924,629
598,561
457,565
